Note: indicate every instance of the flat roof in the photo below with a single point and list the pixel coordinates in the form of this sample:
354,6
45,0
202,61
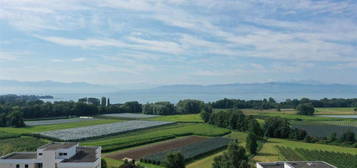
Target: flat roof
21,155
57,145
84,154
272,164
315,164
297,164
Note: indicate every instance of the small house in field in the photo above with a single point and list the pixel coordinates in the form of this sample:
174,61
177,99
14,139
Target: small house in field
55,155
295,164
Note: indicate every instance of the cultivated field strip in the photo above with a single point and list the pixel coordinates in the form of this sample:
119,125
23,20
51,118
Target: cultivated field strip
190,151
325,130
138,153
129,115
339,159
82,133
58,121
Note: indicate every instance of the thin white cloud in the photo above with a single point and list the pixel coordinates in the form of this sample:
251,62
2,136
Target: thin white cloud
57,60
8,56
80,59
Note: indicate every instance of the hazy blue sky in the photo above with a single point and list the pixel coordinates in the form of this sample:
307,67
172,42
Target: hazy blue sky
178,41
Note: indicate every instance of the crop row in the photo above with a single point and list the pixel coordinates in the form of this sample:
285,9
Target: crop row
111,143
340,160
82,133
5,135
129,115
58,121
190,151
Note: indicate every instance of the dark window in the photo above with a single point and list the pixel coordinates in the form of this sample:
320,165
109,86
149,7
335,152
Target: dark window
26,166
65,154
40,154
17,166
40,165
60,154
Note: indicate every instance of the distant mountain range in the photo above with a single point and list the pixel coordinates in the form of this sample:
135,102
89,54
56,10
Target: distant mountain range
280,90
35,87
270,87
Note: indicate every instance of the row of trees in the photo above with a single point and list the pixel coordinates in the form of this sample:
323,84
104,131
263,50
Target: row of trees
288,103
232,119
187,106
12,119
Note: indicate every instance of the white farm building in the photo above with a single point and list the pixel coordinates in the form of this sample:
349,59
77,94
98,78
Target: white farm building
55,155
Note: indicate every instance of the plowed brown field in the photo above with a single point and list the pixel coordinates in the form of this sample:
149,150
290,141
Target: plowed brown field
138,153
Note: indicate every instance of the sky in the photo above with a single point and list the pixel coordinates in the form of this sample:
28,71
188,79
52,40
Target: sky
160,42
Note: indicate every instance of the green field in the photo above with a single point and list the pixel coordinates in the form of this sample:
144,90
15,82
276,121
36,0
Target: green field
269,152
335,110
42,128
207,161
20,144
141,137
195,118
338,159
5,135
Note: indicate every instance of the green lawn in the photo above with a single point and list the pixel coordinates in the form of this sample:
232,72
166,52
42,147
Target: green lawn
142,137
179,118
42,128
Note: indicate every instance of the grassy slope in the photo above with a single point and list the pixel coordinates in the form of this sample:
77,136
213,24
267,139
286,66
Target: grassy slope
179,118
151,135
20,144
42,128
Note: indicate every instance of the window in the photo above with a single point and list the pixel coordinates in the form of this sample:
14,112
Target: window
40,165
60,154
26,166
40,154
17,166
65,154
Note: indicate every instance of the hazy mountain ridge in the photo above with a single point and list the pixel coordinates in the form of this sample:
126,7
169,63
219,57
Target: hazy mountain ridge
268,88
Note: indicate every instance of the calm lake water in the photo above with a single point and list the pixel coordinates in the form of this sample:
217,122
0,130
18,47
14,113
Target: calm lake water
144,97
340,116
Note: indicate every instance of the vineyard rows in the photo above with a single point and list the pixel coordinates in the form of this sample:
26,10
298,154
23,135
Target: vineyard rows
190,151
340,160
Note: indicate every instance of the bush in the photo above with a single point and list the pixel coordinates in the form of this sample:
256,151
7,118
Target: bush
305,109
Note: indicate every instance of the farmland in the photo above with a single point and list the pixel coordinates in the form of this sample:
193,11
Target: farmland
58,121
5,135
111,143
42,128
324,130
101,130
129,115
188,118
20,144
339,159
270,153
191,151
140,152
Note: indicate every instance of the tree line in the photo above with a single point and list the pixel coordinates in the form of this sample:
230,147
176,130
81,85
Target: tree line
270,103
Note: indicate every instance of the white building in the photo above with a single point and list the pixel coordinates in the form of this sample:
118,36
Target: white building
295,164
55,155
